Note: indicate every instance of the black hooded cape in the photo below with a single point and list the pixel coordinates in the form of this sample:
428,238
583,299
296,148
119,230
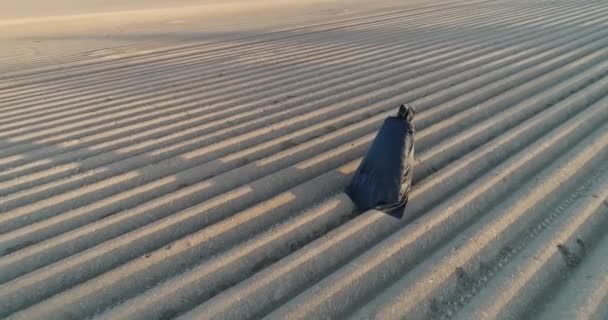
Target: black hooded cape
384,177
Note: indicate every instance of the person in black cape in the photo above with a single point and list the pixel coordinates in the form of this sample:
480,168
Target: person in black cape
384,177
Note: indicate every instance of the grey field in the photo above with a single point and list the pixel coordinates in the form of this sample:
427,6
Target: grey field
189,161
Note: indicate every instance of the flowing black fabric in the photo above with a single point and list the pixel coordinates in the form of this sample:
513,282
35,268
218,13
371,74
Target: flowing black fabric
384,177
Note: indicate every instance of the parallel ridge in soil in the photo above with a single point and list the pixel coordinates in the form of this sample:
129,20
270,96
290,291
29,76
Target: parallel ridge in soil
203,179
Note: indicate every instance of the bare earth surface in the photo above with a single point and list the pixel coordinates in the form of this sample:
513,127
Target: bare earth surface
185,158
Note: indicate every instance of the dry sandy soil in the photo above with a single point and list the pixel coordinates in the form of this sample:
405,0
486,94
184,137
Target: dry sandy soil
185,158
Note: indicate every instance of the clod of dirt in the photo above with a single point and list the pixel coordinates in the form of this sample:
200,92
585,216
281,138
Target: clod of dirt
571,259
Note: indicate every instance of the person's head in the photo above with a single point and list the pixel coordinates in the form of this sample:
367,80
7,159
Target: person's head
406,112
